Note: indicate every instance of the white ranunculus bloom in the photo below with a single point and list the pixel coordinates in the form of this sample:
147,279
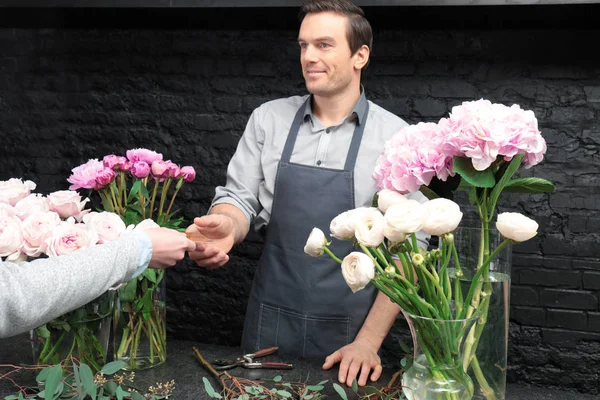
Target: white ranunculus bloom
315,243
516,226
342,226
388,197
369,227
404,218
444,216
358,270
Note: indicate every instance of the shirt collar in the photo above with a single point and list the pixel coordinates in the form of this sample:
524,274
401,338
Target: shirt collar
359,109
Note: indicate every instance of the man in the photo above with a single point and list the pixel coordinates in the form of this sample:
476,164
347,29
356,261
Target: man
300,162
33,293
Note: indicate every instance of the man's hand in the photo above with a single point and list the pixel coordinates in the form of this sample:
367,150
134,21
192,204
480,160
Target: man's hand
214,235
357,357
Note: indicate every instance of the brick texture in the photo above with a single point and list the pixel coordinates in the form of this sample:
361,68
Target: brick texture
184,85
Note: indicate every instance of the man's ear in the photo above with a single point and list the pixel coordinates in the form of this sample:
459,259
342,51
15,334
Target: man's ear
361,57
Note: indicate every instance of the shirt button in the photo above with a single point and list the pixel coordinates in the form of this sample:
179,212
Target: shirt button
327,130
319,162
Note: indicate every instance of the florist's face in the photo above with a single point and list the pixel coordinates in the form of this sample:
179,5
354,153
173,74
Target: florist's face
327,63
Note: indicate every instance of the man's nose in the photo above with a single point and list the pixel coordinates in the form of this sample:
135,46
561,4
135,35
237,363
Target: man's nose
310,54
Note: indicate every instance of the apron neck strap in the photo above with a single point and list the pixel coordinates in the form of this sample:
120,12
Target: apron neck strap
354,145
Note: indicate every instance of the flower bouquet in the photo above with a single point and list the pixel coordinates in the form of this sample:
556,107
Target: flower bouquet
478,149
34,226
141,188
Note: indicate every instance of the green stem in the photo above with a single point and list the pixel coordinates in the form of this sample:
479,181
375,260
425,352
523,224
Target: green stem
177,187
154,190
330,253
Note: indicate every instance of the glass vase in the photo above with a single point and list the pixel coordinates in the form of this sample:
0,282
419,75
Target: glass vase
487,366
140,330
82,334
437,371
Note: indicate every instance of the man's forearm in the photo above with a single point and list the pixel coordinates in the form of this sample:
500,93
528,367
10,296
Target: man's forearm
379,321
238,218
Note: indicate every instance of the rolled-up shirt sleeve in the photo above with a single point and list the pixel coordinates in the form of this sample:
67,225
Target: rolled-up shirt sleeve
244,172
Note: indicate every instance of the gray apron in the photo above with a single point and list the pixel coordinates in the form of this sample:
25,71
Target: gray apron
297,302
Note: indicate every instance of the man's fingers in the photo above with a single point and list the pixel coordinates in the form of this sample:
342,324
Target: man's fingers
332,359
213,262
191,246
376,372
352,372
344,366
364,374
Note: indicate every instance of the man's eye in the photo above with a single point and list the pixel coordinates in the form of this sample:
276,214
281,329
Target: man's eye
303,45
324,45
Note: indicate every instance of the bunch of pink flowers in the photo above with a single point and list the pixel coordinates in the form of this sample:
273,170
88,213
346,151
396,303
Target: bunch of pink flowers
112,176
479,130
34,225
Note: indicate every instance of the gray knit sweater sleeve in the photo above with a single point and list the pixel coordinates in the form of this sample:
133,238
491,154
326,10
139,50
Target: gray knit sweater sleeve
33,293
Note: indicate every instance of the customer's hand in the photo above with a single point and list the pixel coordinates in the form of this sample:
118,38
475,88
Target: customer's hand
357,360
214,235
168,246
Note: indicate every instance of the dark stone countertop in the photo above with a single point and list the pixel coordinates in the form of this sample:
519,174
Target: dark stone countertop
183,367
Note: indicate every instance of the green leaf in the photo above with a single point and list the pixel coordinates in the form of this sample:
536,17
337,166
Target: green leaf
110,388
277,378
340,391
12,397
209,389
370,390
120,393
136,396
43,375
54,376
144,190
529,185
315,388
464,167
150,273
134,190
284,393
127,293
112,367
513,166
323,382
355,386
43,332
87,378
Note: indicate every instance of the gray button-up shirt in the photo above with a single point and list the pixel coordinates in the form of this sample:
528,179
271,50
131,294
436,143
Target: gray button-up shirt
252,170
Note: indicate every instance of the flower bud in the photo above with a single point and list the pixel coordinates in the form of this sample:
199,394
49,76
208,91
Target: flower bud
390,271
448,238
418,259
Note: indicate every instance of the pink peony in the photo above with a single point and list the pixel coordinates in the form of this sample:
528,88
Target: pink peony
188,173
37,228
140,169
105,177
84,176
411,158
173,170
11,237
33,203
160,169
145,155
113,161
69,237
68,203
13,190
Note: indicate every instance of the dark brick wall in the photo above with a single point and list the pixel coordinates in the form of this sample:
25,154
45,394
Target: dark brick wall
184,83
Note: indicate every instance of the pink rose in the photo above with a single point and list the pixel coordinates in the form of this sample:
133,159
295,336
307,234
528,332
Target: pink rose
84,176
13,190
140,169
37,228
33,203
145,155
188,173
107,225
68,203
105,177
69,237
11,237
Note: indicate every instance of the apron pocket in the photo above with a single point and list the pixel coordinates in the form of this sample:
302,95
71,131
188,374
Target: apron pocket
301,335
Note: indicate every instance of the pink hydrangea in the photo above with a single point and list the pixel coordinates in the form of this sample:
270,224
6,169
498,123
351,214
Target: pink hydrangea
84,176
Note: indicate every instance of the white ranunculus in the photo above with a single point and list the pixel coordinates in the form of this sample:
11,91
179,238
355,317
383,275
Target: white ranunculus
516,226
13,190
37,228
404,218
31,204
315,243
358,270
69,237
11,237
387,197
108,225
369,227
68,203
444,216
342,227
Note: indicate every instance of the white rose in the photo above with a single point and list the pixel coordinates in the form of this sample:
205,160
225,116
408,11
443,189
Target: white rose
516,226
69,237
11,237
13,190
369,227
37,228
387,197
68,203
7,210
315,243
404,218
108,225
444,216
358,270
31,204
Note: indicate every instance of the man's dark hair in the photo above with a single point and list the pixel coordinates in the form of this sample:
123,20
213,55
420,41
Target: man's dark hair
359,31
